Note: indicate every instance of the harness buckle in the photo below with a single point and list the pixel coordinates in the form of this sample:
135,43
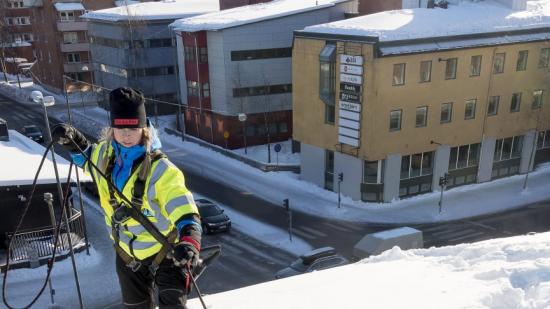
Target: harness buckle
153,268
120,215
134,265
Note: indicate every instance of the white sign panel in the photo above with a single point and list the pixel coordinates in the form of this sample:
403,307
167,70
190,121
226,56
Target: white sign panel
354,107
349,123
349,115
348,132
352,79
351,69
348,59
348,141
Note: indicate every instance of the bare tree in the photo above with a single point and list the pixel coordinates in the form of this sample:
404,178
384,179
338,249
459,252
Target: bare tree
267,84
5,36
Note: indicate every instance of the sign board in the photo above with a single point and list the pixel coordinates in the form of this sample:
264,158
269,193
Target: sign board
277,147
348,59
350,115
351,124
225,134
349,106
351,69
348,132
352,79
350,88
350,97
348,140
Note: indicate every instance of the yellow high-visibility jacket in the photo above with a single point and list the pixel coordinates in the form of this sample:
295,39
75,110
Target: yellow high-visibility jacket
166,199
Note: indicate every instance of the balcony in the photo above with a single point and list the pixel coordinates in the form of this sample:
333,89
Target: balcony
72,26
33,3
77,67
74,47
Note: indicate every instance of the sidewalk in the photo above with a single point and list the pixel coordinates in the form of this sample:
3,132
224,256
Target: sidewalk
461,202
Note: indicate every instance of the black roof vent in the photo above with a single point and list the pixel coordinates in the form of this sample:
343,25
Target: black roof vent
4,135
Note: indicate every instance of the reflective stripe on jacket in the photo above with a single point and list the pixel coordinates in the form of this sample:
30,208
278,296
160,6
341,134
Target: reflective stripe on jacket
166,199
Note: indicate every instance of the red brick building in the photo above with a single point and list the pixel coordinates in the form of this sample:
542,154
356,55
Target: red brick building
17,34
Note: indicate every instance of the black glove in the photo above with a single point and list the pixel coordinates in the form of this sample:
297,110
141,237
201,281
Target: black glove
186,252
63,134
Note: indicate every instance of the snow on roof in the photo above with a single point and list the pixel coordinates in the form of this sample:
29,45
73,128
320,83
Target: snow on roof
250,13
60,7
462,18
20,158
167,9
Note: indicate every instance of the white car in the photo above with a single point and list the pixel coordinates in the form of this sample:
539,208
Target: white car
318,259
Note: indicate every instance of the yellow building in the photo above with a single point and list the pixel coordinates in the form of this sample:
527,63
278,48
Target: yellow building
389,103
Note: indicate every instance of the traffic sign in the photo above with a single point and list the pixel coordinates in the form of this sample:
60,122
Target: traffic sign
277,147
225,134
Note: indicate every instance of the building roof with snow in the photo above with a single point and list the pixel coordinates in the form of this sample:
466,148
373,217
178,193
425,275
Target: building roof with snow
463,24
20,158
162,10
251,14
69,6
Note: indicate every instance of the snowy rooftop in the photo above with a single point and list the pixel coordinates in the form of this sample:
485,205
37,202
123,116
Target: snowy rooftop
20,158
250,14
461,18
70,6
167,9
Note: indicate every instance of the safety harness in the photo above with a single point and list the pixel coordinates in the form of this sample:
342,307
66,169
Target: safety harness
121,212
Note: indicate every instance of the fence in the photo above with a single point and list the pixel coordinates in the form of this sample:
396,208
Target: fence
32,245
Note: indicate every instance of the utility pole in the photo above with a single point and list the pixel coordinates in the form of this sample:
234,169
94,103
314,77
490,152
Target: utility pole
340,179
289,213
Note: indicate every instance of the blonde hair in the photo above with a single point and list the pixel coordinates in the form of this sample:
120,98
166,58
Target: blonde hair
108,135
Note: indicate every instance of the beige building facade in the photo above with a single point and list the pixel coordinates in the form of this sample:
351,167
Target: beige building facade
474,107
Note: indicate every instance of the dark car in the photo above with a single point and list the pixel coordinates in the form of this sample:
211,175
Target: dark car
318,259
34,133
212,217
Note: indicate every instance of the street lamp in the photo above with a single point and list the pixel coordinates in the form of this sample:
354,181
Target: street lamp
47,101
242,119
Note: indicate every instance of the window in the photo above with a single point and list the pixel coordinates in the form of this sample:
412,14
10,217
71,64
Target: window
492,108
373,171
395,120
190,54
329,170
516,101
446,112
73,57
283,127
261,90
521,65
498,63
242,55
470,109
416,165
508,148
421,116
327,74
398,74
70,37
425,71
475,66
543,139
206,90
192,88
544,57
464,156
450,68
67,16
203,54
537,99
330,114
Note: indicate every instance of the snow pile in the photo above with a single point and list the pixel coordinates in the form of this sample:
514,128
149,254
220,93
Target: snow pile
251,13
498,274
173,9
461,19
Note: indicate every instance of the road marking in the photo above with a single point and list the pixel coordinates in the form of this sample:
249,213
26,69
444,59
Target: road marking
302,234
312,231
466,236
341,228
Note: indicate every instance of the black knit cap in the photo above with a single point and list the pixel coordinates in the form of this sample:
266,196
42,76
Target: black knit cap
127,108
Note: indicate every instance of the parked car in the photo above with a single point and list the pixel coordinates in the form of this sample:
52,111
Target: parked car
34,133
318,259
213,217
